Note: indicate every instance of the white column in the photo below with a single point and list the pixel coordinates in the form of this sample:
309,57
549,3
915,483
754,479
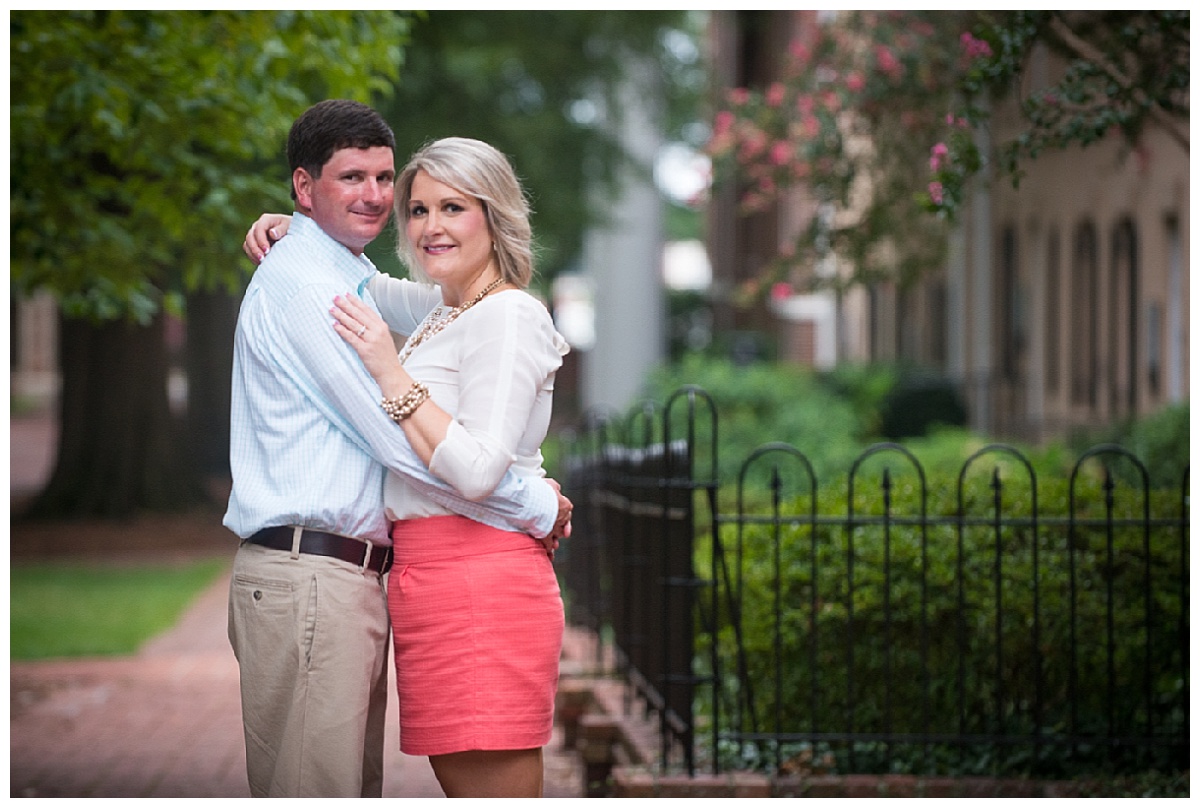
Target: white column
623,261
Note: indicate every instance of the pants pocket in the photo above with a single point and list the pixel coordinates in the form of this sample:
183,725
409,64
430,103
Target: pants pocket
271,646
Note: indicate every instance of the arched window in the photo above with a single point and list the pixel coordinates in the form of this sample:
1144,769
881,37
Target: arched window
1052,315
1123,304
937,306
1084,349
1012,314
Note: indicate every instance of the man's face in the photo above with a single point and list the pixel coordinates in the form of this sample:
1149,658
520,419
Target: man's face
352,199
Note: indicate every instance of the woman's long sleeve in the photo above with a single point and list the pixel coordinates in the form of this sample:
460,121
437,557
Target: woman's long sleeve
507,359
402,303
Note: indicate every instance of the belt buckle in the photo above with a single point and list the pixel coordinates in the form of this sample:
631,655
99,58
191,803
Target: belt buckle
367,556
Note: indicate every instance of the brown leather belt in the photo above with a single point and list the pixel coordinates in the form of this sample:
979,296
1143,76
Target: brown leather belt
360,552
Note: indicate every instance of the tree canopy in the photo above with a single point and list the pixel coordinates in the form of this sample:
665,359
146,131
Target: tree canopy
1123,70
140,140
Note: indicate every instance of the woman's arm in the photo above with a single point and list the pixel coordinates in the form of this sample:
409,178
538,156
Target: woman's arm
507,357
266,230
403,303
427,426
367,333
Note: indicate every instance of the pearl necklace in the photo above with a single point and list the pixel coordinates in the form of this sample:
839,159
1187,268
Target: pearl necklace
434,323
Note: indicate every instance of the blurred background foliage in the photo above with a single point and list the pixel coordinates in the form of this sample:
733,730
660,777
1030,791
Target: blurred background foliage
833,416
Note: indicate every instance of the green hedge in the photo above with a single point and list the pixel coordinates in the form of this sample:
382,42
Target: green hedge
896,625
763,402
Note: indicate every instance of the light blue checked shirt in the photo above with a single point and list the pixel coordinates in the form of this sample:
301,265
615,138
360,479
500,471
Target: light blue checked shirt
309,442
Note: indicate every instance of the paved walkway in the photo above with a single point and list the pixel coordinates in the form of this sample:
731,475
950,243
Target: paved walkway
165,722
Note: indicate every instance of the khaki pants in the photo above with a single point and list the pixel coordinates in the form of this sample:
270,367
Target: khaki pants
310,635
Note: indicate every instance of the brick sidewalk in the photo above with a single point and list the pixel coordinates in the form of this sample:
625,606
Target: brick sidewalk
165,722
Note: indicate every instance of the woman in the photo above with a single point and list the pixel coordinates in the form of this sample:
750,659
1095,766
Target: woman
476,613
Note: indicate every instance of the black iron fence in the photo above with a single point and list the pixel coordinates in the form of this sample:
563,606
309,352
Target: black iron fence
987,623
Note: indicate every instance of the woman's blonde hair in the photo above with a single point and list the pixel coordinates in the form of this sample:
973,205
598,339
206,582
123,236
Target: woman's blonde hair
480,171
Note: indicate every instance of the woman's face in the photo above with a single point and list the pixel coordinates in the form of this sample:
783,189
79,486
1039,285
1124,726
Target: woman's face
448,233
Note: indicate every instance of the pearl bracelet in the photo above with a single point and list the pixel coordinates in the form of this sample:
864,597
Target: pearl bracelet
401,407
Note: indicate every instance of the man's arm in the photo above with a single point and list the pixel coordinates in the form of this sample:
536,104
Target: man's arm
340,385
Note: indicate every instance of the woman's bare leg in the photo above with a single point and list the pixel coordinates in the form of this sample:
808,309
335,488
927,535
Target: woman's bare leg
507,773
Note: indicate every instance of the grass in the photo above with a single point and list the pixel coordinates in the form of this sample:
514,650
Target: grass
62,609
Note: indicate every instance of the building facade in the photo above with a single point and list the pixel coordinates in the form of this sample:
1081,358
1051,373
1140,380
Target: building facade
1069,294
1063,303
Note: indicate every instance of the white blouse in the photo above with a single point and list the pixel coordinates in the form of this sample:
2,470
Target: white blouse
492,370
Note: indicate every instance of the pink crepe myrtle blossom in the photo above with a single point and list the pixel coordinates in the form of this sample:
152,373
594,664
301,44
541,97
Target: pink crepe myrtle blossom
738,96
936,155
887,61
923,29
781,291
775,94
855,81
974,48
723,122
936,192
781,152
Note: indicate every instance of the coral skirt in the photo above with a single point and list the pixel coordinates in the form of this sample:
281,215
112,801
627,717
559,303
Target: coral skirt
477,625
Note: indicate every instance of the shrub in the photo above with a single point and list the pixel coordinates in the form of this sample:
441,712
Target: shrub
1161,441
882,649
919,401
760,403
865,387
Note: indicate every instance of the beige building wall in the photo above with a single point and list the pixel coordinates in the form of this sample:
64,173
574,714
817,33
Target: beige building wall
1083,269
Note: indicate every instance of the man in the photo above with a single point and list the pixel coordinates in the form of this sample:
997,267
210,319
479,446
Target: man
309,445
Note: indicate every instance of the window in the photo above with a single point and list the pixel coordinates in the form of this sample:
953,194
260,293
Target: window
1052,316
1123,304
1012,317
1083,348
1176,327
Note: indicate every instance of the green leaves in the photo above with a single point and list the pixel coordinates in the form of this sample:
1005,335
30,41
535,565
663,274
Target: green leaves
142,142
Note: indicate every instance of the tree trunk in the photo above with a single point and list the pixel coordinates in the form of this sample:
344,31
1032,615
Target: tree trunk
211,320
120,449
